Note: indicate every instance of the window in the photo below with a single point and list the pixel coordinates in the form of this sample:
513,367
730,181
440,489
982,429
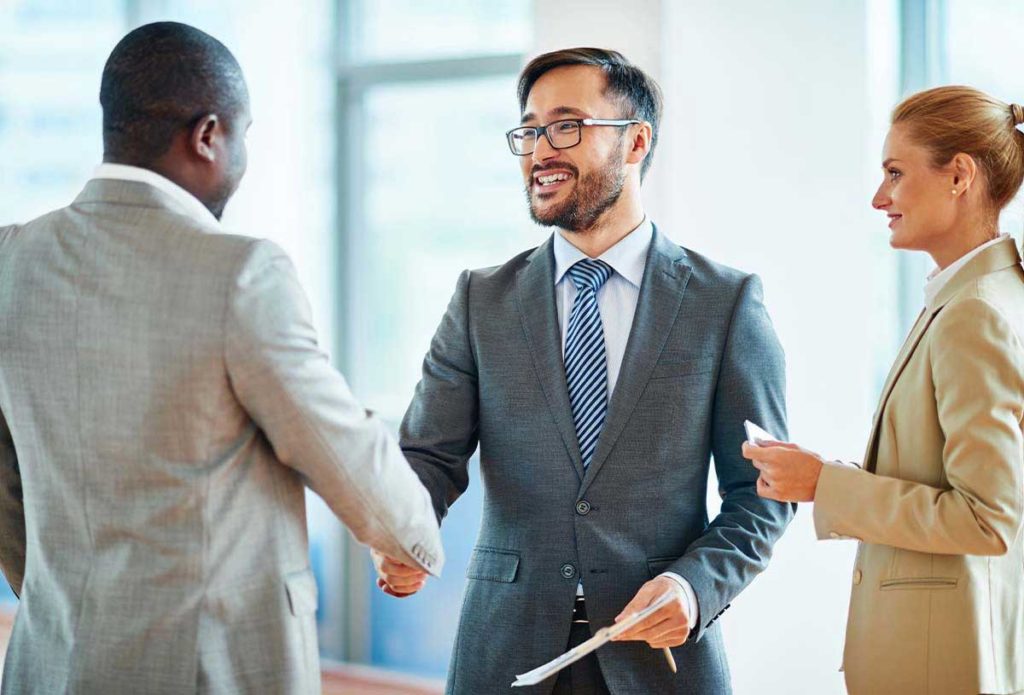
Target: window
971,42
49,109
427,189
405,30
49,100
983,50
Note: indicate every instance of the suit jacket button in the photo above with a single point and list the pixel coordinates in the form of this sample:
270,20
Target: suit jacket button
857,577
568,571
583,507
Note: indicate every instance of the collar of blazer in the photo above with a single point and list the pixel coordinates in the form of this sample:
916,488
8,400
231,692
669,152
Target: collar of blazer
140,195
666,274
993,259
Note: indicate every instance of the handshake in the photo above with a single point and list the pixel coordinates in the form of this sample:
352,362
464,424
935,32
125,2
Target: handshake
396,578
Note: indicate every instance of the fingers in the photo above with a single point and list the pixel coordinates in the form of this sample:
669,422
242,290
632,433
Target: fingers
767,451
672,638
394,568
383,586
396,578
642,599
651,626
405,583
666,632
669,619
765,490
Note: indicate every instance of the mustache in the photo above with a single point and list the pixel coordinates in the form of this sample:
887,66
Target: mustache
537,168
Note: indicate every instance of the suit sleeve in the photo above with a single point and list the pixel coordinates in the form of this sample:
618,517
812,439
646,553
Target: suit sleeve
737,545
977,365
315,425
12,511
440,430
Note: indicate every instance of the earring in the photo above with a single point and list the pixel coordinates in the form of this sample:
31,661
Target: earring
954,191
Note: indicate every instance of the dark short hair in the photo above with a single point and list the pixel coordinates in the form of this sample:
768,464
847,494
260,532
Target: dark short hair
638,92
160,78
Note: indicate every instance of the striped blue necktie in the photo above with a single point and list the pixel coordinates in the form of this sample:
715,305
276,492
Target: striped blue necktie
586,372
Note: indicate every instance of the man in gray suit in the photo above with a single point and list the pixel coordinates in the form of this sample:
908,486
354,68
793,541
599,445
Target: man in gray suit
599,373
163,400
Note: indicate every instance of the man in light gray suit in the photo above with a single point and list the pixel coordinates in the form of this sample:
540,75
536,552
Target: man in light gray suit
599,373
163,401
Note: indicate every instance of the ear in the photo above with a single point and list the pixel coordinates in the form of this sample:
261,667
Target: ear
965,171
203,135
640,143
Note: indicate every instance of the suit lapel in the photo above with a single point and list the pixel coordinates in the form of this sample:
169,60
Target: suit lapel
661,294
535,297
997,257
909,345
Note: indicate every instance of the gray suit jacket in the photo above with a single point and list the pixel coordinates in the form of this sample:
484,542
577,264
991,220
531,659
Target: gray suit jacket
702,356
162,401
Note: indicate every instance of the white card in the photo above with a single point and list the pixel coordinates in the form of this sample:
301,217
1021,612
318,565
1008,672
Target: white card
756,435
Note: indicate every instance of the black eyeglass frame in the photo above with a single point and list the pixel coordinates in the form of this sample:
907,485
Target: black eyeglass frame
580,122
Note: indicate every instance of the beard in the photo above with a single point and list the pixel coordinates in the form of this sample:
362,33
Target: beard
592,196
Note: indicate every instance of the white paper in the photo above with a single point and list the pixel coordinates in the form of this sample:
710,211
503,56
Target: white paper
756,435
601,637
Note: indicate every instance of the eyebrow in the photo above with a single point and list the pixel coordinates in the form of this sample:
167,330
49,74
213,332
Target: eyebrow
557,111
889,161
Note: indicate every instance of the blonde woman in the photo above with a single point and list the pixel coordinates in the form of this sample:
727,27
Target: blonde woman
937,603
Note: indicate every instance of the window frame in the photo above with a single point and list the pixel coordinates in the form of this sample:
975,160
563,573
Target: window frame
354,80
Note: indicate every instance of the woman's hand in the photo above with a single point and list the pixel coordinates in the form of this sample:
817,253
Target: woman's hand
788,473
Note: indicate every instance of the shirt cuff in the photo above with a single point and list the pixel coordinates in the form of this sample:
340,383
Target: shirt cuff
688,592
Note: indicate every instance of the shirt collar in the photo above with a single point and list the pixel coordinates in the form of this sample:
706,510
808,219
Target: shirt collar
940,278
187,202
627,258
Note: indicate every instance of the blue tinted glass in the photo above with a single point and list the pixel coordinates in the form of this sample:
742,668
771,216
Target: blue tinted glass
397,30
440,193
51,59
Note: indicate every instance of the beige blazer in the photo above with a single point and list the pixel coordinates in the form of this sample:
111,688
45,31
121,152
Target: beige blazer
163,406
937,602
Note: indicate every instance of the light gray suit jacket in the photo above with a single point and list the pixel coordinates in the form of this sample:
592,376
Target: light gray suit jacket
702,356
162,401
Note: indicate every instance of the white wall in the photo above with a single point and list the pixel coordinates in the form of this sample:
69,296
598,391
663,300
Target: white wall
770,146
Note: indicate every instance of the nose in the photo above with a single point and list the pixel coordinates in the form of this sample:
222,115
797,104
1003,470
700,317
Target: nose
543,150
881,199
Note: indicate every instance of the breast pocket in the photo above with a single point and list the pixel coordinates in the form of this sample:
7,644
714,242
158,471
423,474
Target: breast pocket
912,570
492,565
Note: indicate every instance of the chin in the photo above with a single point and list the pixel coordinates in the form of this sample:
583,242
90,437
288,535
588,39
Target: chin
545,213
905,243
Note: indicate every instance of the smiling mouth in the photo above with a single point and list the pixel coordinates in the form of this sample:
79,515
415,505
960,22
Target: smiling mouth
893,219
550,182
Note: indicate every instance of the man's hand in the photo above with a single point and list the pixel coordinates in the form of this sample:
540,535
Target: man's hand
669,626
395,578
788,473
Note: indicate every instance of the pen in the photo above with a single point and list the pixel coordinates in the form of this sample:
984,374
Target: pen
668,657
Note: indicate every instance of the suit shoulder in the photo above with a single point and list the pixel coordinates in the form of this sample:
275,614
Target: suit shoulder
246,256
995,297
713,272
500,274
8,232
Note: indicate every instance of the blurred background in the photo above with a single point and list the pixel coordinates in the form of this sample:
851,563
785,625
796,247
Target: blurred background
377,160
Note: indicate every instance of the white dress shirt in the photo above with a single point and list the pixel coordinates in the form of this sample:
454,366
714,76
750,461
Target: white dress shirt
186,203
616,300
940,278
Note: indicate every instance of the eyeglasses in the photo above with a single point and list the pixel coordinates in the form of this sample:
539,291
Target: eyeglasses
561,134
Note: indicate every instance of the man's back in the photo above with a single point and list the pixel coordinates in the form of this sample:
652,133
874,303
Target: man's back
154,375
